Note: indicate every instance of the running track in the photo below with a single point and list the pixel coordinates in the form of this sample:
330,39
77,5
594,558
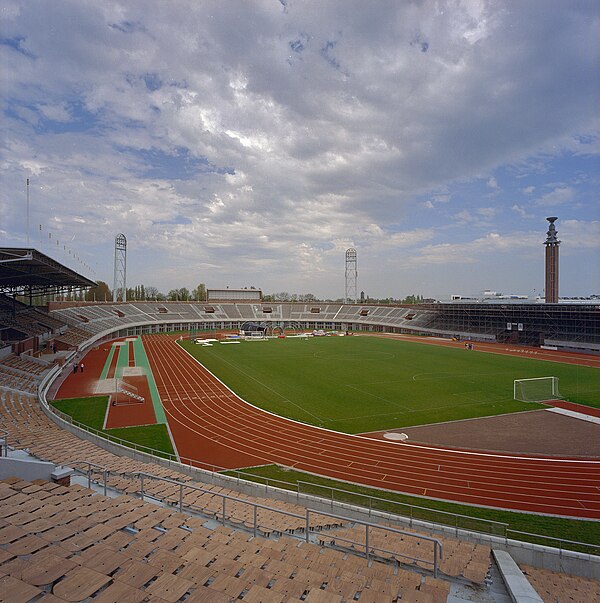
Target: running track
211,425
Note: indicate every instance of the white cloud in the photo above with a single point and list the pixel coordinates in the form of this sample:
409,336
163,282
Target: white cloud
558,196
577,234
263,136
475,251
521,211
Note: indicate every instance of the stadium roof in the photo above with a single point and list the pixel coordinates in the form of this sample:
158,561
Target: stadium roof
29,272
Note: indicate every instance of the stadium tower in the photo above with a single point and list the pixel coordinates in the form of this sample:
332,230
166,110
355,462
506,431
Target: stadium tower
552,244
120,281
351,276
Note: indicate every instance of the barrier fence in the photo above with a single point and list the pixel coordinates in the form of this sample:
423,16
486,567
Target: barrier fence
258,528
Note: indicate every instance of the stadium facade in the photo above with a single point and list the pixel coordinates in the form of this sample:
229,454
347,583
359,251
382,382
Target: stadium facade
69,325
567,326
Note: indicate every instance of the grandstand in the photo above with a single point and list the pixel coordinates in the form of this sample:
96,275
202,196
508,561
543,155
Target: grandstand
173,533
568,326
25,328
147,529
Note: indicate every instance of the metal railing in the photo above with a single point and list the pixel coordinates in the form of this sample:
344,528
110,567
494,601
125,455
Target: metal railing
370,504
413,512
89,472
369,548
256,527
558,543
4,442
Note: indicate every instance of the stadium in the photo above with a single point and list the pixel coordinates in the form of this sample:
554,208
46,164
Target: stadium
237,449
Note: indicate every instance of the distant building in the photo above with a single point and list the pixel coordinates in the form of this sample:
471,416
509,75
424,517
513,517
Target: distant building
233,295
491,297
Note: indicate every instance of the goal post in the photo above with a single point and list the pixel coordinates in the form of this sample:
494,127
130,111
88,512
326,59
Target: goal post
536,389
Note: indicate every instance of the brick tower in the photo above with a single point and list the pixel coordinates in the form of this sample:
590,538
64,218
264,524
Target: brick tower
552,244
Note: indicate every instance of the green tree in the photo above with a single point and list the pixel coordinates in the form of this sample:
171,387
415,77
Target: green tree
200,292
101,292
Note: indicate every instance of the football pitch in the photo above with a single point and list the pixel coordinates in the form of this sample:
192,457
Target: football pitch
363,384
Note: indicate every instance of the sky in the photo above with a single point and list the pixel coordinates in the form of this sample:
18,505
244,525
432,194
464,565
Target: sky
251,143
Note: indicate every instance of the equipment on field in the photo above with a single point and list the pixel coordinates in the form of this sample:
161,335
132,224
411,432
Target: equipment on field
536,389
126,395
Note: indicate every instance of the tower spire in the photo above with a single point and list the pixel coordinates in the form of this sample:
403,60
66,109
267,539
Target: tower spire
552,244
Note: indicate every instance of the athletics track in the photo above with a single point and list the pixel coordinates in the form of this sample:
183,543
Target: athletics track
213,426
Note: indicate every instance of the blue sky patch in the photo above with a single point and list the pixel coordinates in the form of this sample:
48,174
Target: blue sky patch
179,165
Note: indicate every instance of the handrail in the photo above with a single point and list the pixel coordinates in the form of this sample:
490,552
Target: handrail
560,541
4,440
370,498
105,471
437,545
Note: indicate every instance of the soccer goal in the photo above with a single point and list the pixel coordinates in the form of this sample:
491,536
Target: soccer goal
536,389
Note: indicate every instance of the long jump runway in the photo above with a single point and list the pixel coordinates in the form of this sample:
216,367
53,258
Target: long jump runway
213,426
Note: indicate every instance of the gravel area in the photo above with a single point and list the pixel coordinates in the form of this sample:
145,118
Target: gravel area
537,432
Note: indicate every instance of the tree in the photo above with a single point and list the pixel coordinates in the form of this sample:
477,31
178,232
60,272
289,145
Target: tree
152,292
200,292
101,292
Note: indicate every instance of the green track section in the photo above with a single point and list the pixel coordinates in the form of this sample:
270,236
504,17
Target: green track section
111,353
123,361
142,360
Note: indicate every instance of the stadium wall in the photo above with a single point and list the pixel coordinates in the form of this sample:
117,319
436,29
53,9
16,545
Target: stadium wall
569,326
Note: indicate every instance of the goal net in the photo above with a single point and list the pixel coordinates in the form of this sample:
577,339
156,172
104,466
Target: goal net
537,389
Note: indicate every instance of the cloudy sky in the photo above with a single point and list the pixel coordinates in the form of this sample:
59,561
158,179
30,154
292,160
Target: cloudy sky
250,143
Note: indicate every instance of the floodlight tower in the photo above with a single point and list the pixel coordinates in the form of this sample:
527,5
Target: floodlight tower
120,282
351,276
552,244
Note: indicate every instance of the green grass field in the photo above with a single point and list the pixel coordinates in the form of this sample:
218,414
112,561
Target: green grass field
91,412
362,384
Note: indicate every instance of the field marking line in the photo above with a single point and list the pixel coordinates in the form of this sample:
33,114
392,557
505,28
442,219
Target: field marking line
449,452
283,398
452,375
106,414
446,452
491,348
324,356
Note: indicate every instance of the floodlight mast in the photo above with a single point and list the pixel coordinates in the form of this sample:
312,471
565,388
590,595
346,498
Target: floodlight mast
120,272
351,276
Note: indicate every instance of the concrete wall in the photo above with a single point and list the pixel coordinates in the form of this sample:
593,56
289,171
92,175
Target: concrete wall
26,469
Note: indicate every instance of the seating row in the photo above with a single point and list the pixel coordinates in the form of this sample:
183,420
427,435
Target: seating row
73,545
30,428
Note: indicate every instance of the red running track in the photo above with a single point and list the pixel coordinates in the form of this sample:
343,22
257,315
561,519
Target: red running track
211,425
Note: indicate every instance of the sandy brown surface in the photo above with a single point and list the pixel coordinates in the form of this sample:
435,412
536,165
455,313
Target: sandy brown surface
537,432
